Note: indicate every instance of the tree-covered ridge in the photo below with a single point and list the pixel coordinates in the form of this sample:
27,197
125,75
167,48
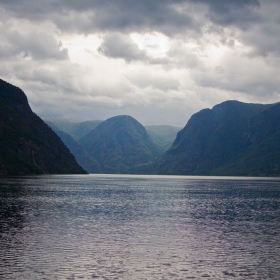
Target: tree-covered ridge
119,143
28,145
69,131
82,157
232,138
162,135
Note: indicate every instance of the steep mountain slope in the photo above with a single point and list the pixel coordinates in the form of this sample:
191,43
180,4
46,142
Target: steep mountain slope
81,156
119,143
75,129
214,137
28,145
262,157
162,135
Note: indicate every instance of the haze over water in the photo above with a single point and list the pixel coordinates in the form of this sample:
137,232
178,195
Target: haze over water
139,227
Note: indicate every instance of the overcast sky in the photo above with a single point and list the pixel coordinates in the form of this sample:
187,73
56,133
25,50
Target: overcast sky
159,61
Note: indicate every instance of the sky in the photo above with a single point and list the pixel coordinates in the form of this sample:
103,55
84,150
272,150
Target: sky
159,61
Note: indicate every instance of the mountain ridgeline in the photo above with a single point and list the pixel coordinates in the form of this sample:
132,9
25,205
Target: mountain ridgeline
232,139
28,145
82,157
75,129
119,143
114,145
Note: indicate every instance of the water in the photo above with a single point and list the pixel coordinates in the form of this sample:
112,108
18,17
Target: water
139,227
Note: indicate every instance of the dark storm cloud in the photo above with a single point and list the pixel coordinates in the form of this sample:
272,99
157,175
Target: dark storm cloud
171,17
264,41
105,15
264,37
121,46
240,13
143,15
137,15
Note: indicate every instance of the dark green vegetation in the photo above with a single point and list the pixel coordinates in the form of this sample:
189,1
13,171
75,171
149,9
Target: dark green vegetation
233,138
118,144
87,162
28,145
75,129
114,145
163,135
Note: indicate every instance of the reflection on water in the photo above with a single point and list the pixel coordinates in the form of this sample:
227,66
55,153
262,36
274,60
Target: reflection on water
139,227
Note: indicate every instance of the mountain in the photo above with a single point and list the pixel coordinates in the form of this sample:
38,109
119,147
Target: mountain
81,156
119,143
162,135
28,145
73,128
262,158
232,138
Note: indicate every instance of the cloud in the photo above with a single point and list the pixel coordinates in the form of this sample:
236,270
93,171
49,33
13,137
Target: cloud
240,13
36,45
121,46
263,38
142,15
159,61
242,75
97,15
149,78
183,55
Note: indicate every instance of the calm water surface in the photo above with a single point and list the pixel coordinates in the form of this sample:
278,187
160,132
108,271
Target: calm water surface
139,227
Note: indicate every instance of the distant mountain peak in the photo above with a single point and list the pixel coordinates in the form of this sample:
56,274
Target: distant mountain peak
119,143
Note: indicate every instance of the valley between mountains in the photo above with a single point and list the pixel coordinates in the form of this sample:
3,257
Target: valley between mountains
231,139
114,145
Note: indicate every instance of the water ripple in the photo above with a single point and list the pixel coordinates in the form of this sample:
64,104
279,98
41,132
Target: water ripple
127,227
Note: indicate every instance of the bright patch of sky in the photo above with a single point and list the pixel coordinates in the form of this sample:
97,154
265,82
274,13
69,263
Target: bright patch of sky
81,47
155,44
